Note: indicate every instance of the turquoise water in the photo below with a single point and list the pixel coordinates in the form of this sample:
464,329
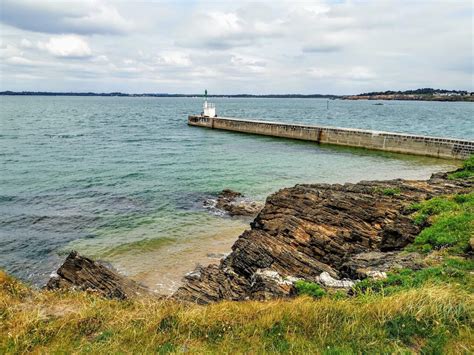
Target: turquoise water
123,179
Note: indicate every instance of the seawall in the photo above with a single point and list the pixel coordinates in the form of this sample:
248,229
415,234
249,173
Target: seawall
386,141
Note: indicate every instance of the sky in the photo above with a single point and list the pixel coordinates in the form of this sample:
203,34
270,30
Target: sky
231,47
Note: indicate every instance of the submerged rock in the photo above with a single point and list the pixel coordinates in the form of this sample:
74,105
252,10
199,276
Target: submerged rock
235,204
81,273
340,231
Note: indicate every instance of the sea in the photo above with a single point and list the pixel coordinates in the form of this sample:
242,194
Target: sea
124,179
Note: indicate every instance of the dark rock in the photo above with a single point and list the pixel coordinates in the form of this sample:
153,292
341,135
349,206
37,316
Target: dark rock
268,284
81,273
235,204
212,284
363,265
307,230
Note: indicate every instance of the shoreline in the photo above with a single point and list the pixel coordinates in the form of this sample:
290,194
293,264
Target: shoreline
321,257
165,275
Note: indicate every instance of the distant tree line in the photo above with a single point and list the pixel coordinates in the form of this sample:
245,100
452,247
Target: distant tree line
46,93
423,91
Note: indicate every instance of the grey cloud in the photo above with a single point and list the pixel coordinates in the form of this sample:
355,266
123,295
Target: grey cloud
70,17
321,48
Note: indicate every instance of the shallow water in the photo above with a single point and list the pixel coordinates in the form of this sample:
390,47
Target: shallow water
124,179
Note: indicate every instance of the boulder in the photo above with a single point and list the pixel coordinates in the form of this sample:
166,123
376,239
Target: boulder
375,264
268,284
235,204
327,280
81,273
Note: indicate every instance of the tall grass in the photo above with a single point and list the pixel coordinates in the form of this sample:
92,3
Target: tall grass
431,318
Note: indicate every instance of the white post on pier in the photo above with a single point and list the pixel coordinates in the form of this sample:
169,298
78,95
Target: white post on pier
208,109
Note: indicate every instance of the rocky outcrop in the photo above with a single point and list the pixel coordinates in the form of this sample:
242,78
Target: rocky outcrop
81,273
350,230
329,234
235,204
373,264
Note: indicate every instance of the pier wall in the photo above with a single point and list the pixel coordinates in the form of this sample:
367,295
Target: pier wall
385,141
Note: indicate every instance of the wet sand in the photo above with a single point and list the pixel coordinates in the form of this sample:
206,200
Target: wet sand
162,270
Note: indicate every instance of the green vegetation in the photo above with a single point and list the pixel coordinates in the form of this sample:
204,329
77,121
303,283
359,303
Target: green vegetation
466,172
450,269
450,221
309,288
389,191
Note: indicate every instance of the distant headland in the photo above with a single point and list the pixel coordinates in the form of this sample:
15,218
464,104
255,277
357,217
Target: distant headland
424,94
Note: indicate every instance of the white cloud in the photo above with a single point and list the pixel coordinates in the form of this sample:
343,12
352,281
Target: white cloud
174,58
248,64
72,16
342,46
361,73
19,61
226,29
67,46
358,73
26,43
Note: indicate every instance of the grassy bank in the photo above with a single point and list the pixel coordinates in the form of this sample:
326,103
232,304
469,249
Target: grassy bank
430,318
424,311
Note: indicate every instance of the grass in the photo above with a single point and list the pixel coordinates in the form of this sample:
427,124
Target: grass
428,318
446,270
466,172
449,222
309,289
389,191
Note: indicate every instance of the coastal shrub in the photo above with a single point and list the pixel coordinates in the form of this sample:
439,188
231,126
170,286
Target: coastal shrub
391,191
466,172
309,288
450,221
431,207
388,191
450,230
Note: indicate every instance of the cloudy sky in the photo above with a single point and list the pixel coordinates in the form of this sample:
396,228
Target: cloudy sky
339,47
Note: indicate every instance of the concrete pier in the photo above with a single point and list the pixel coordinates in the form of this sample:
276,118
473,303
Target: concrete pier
386,141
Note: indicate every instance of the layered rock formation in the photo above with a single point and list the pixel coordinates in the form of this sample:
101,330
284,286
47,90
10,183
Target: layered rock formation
330,234
350,230
81,273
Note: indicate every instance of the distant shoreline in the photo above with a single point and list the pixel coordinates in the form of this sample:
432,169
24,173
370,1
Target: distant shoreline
120,94
411,95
